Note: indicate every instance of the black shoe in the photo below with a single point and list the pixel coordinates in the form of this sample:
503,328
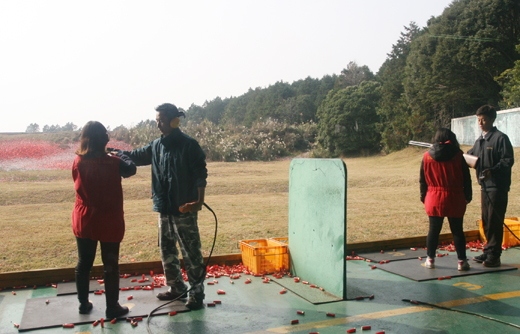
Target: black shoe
169,295
195,302
481,258
116,311
492,261
85,308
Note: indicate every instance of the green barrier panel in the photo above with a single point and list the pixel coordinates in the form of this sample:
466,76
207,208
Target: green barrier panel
318,222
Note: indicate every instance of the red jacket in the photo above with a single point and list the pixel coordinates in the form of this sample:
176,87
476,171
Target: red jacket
445,196
98,212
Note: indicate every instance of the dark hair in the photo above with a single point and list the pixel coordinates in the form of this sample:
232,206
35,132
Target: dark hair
170,110
443,135
487,110
94,139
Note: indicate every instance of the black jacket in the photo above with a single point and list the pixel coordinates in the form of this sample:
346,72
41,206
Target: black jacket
178,170
494,152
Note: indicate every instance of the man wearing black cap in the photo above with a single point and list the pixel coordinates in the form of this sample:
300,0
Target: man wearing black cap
178,177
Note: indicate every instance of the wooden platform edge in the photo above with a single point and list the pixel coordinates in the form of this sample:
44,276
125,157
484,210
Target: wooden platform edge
419,241
41,277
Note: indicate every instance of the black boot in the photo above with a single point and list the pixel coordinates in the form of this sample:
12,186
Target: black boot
114,310
83,287
196,301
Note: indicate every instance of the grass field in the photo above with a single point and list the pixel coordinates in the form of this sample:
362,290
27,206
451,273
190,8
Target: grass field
250,199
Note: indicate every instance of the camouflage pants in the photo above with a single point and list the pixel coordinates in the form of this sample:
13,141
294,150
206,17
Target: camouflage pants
184,230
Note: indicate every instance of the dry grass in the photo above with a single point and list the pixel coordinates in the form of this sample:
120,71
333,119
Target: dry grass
250,199
383,197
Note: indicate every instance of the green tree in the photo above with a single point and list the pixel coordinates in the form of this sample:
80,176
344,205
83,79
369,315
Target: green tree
394,111
509,80
238,107
214,110
121,133
32,128
195,113
298,109
348,120
307,86
326,85
51,128
292,103
451,68
69,127
144,133
267,101
353,75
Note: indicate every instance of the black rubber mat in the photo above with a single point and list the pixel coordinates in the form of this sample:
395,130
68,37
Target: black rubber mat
61,310
67,288
307,291
390,255
357,292
445,267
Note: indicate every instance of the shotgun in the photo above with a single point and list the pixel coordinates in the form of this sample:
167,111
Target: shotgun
471,160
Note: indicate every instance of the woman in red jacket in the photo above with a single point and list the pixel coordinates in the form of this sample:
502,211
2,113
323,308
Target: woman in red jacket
98,214
445,190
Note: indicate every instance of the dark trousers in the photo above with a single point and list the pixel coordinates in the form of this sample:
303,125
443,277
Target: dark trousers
110,257
459,239
494,206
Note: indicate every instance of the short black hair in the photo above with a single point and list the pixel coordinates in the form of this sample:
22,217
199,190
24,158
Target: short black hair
487,110
170,110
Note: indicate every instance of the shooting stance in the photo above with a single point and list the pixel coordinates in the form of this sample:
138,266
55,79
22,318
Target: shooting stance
98,214
495,159
445,190
178,179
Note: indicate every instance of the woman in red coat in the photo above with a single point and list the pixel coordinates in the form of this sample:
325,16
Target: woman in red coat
98,214
445,190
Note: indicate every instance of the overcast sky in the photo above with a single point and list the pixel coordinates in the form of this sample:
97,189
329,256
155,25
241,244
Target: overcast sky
115,61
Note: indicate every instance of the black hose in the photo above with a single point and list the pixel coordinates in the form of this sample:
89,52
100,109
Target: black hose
200,281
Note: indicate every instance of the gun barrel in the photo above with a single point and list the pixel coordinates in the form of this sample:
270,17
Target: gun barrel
419,143
471,160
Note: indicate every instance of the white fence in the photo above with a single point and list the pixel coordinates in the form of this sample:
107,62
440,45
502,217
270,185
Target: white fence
467,129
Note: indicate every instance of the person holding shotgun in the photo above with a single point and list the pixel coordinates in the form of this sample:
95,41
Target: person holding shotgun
98,214
495,160
178,180
445,183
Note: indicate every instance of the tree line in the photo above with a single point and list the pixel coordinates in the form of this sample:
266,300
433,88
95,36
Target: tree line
466,57
33,128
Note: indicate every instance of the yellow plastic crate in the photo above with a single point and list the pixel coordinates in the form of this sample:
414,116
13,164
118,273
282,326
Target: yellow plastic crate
284,241
509,239
263,256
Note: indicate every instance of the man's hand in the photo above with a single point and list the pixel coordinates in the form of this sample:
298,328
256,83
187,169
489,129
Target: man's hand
190,207
486,174
196,205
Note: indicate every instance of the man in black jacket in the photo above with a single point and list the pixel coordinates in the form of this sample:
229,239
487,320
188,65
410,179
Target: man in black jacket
178,177
495,159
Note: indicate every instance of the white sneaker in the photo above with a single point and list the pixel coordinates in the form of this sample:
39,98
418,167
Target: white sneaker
429,263
463,265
